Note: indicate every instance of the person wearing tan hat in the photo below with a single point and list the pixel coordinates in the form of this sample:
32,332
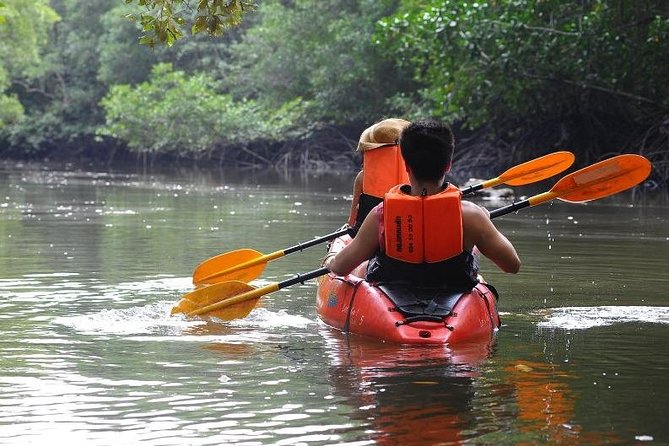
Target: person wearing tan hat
422,232
382,167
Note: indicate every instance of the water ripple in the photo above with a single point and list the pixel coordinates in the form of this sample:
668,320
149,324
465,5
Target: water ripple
581,318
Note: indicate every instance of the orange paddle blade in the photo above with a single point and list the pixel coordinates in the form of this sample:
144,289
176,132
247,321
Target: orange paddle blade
538,169
599,180
238,310
214,294
243,265
602,179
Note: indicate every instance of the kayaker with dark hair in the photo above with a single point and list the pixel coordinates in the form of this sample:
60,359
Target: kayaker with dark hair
423,232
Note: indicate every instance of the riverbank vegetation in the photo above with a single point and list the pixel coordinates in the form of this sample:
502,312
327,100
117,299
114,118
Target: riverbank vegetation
293,83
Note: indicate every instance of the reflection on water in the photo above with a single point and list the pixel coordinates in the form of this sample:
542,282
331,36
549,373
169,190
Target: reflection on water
91,265
405,394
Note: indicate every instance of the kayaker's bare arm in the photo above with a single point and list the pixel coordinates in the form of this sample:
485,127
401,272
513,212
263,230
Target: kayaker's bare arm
357,190
362,247
479,231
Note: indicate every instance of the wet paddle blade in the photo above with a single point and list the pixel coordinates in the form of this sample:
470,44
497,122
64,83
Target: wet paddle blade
237,311
234,265
223,299
538,169
247,264
214,294
602,179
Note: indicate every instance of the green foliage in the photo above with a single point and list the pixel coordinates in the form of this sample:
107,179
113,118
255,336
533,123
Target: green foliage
320,51
11,110
162,21
118,45
61,103
34,133
510,67
186,115
23,35
526,59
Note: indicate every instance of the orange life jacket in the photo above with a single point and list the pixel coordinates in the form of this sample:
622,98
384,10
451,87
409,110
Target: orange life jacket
383,168
422,229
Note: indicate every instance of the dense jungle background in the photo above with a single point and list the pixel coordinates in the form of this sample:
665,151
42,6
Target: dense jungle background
292,83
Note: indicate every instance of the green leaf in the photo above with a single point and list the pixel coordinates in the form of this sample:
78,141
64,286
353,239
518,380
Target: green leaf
147,40
199,25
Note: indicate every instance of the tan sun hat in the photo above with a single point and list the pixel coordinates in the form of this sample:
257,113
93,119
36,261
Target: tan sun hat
381,134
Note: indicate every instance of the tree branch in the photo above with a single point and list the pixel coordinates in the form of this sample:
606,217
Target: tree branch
597,88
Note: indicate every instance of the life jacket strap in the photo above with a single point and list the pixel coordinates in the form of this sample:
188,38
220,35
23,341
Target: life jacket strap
365,205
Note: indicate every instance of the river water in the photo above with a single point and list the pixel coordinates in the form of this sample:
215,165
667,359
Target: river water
92,264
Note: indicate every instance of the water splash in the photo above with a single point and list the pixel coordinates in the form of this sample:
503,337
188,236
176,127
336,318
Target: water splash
155,319
149,319
581,318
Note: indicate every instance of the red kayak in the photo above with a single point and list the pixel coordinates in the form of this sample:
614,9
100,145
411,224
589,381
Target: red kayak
406,314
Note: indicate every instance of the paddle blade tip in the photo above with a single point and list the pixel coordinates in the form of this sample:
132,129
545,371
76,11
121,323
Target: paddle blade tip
184,306
539,169
603,179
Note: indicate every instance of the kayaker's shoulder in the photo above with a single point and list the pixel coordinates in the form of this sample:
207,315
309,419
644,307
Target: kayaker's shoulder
471,208
473,214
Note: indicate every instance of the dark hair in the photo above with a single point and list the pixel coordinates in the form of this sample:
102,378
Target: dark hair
427,148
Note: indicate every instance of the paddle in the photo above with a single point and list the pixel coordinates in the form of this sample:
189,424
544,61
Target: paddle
248,264
224,301
596,181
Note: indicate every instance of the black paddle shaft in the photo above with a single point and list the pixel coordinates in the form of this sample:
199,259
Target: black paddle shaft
316,241
301,278
471,189
510,208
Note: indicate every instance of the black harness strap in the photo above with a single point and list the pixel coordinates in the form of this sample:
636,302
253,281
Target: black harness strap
366,203
356,285
484,296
